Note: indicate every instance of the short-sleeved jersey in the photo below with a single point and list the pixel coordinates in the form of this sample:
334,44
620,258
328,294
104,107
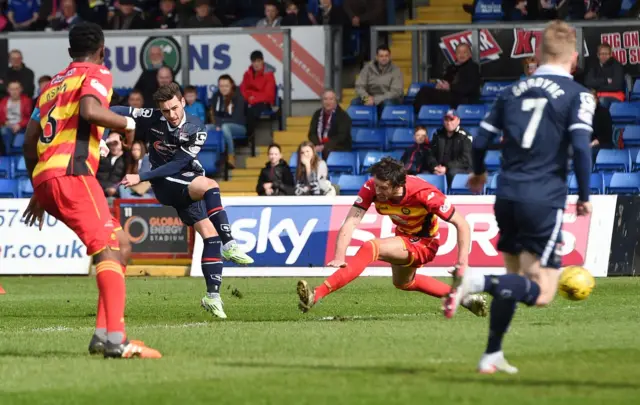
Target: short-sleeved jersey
538,116
164,140
69,145
416,212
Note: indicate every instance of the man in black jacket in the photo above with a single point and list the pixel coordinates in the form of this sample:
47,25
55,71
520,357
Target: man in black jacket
330,127
606,77
19,72
450,149
459,85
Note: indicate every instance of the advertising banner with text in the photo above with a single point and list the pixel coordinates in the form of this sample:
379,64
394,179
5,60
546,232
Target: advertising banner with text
297,236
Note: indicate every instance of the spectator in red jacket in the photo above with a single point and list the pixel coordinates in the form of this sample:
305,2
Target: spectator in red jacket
15,111
258,88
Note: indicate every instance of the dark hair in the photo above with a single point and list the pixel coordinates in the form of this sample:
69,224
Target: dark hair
137,91
419,127
389,169
383,47
301,173
132,166
85,39
229,78
271,3
256,55
14,81
605,45
44,78
274,145
166,93
191,89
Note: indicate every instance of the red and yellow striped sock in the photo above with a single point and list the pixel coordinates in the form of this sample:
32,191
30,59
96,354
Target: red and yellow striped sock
110,279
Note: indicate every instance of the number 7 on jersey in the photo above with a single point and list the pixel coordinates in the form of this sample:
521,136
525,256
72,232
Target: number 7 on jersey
537,106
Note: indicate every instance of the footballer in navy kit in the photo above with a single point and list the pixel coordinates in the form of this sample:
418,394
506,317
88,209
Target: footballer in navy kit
545,120
177,178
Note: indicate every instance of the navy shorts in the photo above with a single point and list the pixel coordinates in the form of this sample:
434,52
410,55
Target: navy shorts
173,191
530,227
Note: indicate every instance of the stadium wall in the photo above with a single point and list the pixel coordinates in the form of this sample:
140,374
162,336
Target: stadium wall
296,236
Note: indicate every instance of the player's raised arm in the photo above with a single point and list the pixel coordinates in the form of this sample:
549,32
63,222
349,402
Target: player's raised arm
580,130
490,127
344,235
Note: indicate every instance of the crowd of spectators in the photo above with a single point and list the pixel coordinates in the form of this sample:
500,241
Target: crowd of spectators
560,9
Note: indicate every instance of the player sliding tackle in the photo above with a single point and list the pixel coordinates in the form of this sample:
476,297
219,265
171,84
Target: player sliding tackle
177,178
414,207
61,151
540,117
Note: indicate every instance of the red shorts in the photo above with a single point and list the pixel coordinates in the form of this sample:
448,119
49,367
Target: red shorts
79,202
421,250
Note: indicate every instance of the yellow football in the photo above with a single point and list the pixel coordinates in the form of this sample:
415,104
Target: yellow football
576,283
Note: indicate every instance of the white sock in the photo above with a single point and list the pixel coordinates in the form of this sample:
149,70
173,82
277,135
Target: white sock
476,283
213,295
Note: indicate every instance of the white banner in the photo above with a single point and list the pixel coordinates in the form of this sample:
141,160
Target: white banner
209,57
295,236
26,250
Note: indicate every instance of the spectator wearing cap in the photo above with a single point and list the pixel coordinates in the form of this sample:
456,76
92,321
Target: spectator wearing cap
126,17
450,149
606,76
459,85
330,128
258,88
204,17
415,157
271,17
113,167
380,82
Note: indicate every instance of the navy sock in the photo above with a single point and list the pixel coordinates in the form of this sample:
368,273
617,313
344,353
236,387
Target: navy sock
500,317
512,287
212,264
217,214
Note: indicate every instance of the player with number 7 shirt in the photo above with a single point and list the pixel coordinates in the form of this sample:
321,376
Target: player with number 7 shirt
414,206
61,150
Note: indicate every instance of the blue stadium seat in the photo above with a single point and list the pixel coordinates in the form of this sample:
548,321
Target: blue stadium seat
8,188
491,188
351,184
6,167
635,161
612,160
439,181
371,158
471,114
624,113
368,138
625,183
492,160
396,154
459,185
432,114
16,145
214,141
397,116
208,161
363,116
293,161
472,131
122,91
341,162
631,136
400,138
635,92
413,89
21,168
25,189
596,184
491,90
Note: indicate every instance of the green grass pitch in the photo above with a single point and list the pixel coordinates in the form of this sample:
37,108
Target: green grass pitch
383,347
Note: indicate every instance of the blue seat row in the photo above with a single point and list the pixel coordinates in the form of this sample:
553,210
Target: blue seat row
403,115
488,94
16,188
391,138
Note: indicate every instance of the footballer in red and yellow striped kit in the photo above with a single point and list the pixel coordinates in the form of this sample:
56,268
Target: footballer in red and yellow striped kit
414,206
61,151
69,145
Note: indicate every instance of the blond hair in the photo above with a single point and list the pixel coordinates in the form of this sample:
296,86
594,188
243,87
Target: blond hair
558,43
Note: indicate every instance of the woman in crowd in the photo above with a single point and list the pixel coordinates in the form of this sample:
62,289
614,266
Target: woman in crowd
275,178
134,166
229,114
312,174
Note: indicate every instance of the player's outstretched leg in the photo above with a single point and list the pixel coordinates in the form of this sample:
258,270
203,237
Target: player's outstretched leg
211,263
203,188
368,253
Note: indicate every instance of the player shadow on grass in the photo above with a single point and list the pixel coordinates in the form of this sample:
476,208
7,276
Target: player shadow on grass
381,369
528,382
43,354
